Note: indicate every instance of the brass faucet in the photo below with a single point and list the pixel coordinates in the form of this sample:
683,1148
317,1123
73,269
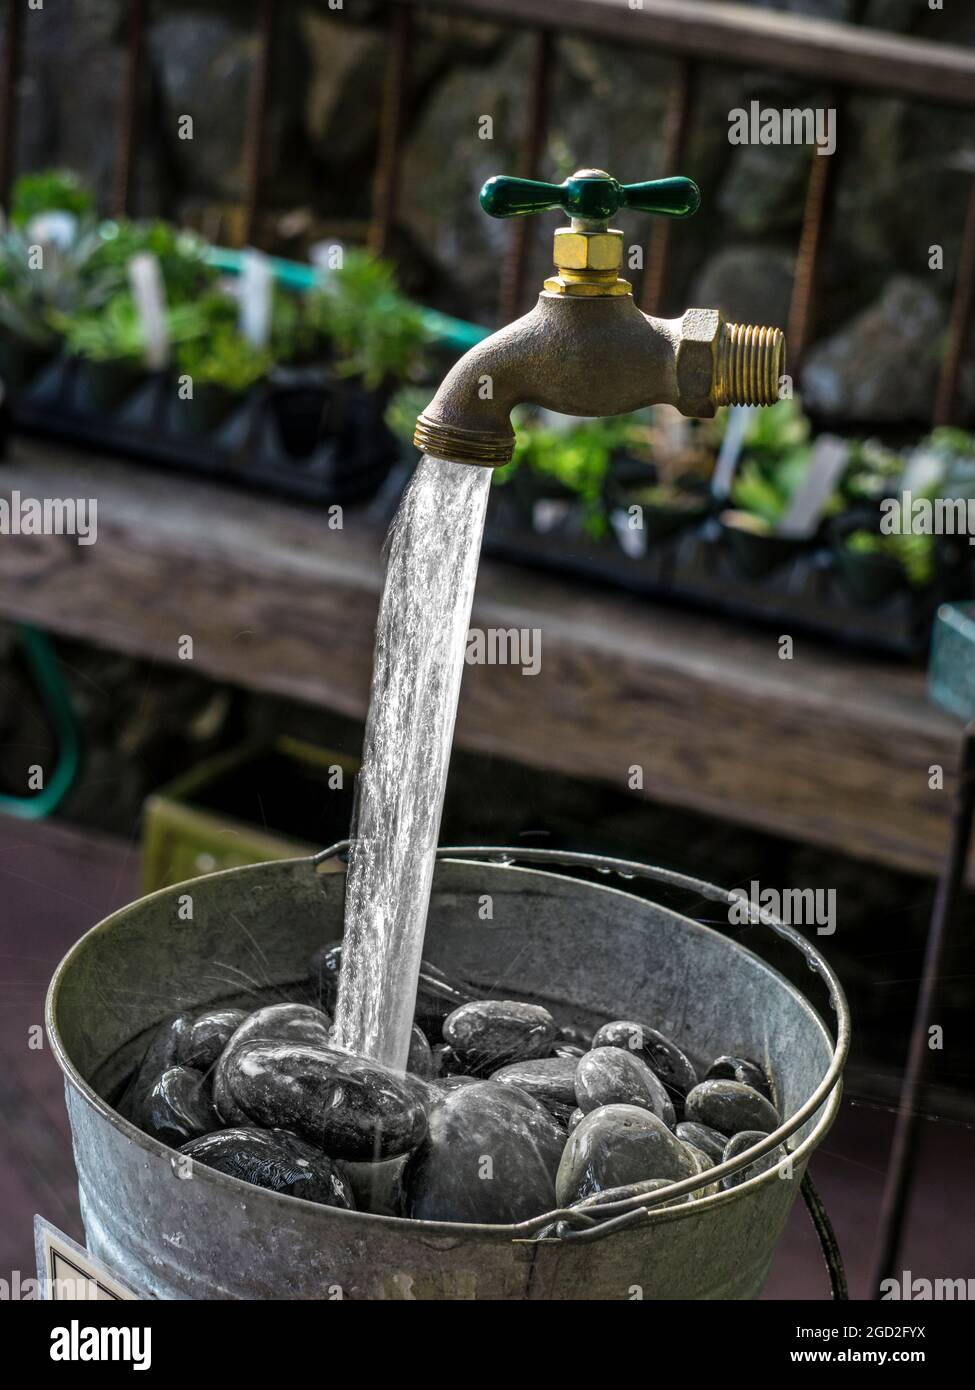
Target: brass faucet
585,348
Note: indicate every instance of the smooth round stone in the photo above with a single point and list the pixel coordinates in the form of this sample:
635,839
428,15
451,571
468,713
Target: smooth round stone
420,1061
298,1023
569,1035
729,1106
349,1106
575,1117
704,1162
737,1144
276,1160
179,1108
206,1037
663,1057
440,1085
565,1049
490,1155
709,1141
161,1053
617,1145
489,1033
740,1069
446,1062
610,1076
546,1078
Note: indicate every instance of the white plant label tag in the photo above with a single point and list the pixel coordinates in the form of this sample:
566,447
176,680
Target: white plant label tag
739,418
549,512
254,315
146,282
828,460
65,1270
632,539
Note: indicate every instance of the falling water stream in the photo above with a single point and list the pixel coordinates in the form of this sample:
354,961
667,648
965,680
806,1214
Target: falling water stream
421,635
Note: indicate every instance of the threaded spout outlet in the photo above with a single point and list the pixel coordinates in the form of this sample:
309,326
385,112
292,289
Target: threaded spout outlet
750,365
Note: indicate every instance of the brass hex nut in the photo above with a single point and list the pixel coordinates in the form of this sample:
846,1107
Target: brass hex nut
587,250
701,333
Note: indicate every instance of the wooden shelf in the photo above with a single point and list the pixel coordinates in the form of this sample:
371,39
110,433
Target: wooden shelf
830,747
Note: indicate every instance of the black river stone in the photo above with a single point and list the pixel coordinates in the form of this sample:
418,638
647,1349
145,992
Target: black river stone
737,1144
161,1053
490,1155
611,1076
299,1023
663,1057
276,1160
489,1033
420,1061
709,1141
620,1194
179,1107
548,1079
617,1145
349,1106
206,1036
740,1069
729,1107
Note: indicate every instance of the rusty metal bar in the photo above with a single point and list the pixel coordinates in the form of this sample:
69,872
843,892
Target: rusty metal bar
256,128
960,323
900,1172
9,75
806,277
513,266
128,121
677,123
385,185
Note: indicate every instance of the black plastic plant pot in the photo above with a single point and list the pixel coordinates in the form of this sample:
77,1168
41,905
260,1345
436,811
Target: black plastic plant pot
208,407
529,487
301,416
868,579
20,361
756,552
665,518
101,386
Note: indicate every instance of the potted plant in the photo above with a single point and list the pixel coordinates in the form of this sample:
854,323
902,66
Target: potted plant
302,388
666,482
223,367
564,465
109,347
872,566
377,339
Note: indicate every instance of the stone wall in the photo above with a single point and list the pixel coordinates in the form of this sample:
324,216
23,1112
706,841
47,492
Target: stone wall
900,190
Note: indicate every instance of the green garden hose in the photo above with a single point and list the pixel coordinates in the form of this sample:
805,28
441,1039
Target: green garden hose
43,664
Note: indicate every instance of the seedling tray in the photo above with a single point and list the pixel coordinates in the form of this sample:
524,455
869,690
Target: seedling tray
149,425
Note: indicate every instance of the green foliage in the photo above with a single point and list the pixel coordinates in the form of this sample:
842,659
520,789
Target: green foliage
403,409
870,471
50,190
576,458
181,255
377,333
776,432
223,358
115,334
766,488
293,335
915,554
33,297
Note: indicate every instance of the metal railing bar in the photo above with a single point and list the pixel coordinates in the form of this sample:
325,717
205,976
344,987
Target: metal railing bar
514,265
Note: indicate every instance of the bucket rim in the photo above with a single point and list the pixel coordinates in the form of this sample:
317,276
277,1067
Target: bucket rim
652,1207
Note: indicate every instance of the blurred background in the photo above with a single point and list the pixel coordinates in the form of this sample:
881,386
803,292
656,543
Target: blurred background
277,204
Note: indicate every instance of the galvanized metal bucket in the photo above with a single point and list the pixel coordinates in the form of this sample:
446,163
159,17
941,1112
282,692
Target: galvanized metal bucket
591,949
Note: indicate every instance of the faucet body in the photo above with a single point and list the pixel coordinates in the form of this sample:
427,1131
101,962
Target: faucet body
587,349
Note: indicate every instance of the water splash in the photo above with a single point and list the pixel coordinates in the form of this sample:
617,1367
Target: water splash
421,635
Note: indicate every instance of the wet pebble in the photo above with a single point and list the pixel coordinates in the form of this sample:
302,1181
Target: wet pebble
277,1160
162,1052
617,1145
349,1106
548,1079
663,1057
437,994
490,1155
743,1070
737,1144
490,1033
729,1106
620,1194
179,1107
300,1023
565,1049
206,1036
611,1076
569,1035
703,1137
575,1117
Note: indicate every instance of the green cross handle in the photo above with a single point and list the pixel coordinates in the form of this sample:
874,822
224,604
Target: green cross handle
589,195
